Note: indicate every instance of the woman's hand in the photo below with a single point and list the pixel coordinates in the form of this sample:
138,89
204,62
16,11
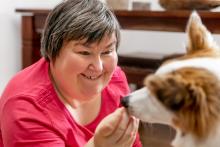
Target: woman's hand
117,130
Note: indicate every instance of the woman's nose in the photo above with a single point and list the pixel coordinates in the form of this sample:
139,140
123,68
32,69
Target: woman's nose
97,64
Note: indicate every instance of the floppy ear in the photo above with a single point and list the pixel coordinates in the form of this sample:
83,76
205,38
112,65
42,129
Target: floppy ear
170,90
193,94
198,36
182,89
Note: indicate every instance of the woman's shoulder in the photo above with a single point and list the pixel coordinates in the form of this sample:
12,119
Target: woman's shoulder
28,86
28,80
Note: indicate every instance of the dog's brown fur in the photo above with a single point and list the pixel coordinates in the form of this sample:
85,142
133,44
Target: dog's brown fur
185,92
194,95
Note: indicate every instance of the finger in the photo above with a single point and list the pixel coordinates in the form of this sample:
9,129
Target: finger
129,135
110,123
122,126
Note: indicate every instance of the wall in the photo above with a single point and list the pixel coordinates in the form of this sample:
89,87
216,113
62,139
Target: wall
9,42
10,35
157,42
10,39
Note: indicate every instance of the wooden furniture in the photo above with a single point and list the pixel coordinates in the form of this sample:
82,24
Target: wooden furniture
189,4
136,65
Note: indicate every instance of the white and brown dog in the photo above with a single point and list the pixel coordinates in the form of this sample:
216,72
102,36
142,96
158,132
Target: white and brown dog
184,93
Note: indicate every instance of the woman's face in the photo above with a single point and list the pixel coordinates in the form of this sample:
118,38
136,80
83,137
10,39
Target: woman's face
82,70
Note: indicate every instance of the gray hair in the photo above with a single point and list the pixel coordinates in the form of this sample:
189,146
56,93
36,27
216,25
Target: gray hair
77,20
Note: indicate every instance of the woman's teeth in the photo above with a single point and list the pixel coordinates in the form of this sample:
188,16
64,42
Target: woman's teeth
91,77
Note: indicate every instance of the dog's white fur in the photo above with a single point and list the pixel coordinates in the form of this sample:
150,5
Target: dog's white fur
208,63
144,105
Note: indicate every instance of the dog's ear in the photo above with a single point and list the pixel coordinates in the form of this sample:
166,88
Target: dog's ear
186,88
180,90
170,90
198,35
193,94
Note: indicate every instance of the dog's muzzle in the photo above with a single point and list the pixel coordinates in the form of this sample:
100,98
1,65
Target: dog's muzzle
125,101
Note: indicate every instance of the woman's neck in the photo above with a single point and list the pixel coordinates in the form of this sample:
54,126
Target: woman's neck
86,112
83,112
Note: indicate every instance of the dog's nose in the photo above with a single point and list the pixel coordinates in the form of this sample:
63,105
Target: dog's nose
125,101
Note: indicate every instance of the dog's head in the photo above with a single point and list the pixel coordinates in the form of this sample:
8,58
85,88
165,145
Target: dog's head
184,92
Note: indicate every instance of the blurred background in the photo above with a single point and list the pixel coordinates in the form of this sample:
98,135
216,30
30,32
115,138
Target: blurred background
10,36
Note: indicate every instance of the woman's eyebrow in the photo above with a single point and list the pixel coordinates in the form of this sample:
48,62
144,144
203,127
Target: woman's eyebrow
87,45
110,44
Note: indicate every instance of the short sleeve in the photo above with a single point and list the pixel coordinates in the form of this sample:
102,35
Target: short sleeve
24,125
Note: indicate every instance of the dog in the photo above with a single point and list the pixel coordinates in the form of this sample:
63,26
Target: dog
184,92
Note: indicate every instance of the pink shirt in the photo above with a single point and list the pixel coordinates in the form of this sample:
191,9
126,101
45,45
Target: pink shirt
32,115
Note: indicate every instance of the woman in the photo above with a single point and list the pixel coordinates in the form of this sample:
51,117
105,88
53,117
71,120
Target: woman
71,96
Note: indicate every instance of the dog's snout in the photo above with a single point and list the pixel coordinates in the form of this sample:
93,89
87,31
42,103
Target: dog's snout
125,101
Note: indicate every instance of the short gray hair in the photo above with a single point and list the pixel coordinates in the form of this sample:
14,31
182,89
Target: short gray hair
77,20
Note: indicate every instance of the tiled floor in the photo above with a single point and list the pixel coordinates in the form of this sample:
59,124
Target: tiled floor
156,135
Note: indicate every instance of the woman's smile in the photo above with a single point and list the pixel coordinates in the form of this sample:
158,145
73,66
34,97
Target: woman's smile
92,77
81,66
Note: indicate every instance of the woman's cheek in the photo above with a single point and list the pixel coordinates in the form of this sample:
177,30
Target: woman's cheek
112,62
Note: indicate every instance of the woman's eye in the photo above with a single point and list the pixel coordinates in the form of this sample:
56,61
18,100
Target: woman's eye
107,52
84,53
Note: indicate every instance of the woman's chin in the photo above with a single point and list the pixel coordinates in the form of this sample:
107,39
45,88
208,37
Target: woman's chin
92,91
